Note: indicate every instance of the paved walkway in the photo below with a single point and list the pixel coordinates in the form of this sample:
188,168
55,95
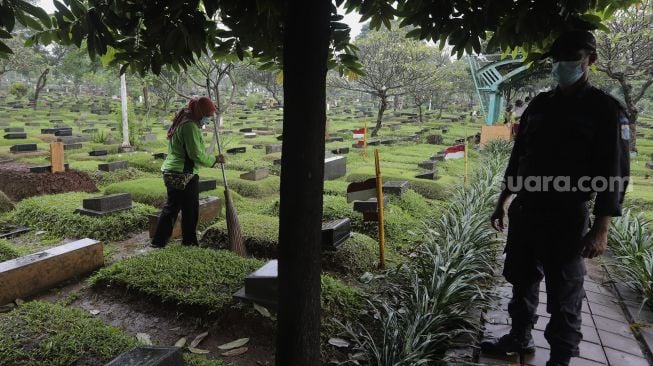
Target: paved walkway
607,335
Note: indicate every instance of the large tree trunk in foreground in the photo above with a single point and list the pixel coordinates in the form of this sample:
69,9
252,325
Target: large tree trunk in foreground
302,170
379,117
40,84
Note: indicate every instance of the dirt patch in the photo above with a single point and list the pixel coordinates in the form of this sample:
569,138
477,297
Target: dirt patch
18,183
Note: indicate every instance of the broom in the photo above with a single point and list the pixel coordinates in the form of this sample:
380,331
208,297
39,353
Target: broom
236,242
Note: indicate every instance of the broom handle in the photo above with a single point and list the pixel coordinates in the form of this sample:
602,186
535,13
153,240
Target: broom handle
217,136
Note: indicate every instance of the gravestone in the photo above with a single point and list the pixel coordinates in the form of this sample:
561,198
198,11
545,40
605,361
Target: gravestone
427,165
276,162
340,150
439,156
431,175
4,124
335,232
258,146
105,205
246,130
261,286
256,174
149,137
45,168
273,148
280,138
113,166
15,136
23,148
357,145
649,164
373,143
150,356
445,130
237,150
334,139
335,167
434,139
90,130
64,132
388,142
32,124
207,184
74,146
14,129
160,156
395,187
25,276
370,205
395,127
98,152
249,135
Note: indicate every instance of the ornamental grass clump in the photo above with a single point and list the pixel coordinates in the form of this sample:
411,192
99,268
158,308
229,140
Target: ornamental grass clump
447,279
631,241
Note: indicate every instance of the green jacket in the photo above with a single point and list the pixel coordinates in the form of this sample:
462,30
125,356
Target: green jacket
187,139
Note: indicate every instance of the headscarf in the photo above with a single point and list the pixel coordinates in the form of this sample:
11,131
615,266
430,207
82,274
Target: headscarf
197,108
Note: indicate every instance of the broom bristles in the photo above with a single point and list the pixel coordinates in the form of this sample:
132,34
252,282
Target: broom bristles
237,244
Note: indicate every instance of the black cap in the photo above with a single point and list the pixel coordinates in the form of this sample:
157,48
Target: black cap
570,42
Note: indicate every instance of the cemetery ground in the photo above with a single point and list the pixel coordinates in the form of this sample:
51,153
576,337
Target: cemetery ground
177,294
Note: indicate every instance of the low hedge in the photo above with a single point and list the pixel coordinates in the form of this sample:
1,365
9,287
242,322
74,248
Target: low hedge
46,334
260,232
56,214
189,276
107,178
7,251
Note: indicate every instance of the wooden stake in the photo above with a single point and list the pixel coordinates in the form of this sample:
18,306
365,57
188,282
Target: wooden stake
379,199
57,157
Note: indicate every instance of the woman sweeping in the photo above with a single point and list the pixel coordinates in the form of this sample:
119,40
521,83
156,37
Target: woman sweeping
186,153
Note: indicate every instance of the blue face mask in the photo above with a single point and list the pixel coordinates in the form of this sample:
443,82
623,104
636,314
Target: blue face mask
205,121
566,73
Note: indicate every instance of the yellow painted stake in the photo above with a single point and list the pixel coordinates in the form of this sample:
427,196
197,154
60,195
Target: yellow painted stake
379,199
364,152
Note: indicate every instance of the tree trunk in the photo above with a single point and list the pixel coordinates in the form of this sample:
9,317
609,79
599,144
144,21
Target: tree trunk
419,108
146,97
305,51
379,118
632,110
124,112
40,84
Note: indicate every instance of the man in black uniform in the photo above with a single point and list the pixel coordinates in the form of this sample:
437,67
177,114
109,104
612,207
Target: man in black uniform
571,148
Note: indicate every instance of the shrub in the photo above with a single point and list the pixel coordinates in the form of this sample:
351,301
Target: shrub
356,255
18,89
56,214
107,178
339,300
189,276
7,251
140,160
5,203
42,333
260,233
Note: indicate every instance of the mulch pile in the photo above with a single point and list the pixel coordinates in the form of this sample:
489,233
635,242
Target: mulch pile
17,182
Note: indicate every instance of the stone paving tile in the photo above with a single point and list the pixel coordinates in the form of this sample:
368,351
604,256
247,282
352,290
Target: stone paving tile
587,319
602,299
538,358
541,322
590,334
612,312
592,351
612,326
498,360
540,341
618,358
584,362
621,343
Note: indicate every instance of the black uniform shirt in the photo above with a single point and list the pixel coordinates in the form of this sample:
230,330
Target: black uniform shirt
580,136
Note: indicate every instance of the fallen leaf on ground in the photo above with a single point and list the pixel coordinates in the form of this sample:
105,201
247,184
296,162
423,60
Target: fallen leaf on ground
235,352
235,344
338,342
94,312
198,340
262,310
198,351
181,342
144,338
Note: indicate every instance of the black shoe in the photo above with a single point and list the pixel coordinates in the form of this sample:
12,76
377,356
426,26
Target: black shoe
158,246
508,344
553,363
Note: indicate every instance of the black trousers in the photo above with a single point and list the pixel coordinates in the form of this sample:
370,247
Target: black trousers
186,200
545,242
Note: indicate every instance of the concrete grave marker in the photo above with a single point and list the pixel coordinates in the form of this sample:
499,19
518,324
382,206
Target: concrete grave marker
431,175
113,166
237,150
14,129
22,148
207,185
273,148
25,276
64,132
395,187
427,165
335,167
370,205
45,168
246,130
435,139
73,146
262,286
98,152
249,135
335,232
32,124
334,139
15,136
90,130
160,156
150,356
210,208
256,174
340,150
105,205
149,137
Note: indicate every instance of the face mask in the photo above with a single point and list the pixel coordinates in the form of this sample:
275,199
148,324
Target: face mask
205,121
567,73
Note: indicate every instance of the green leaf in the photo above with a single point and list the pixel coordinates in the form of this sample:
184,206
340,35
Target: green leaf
7,17
108,57
63,10
76,7
5,49
4,34
36,12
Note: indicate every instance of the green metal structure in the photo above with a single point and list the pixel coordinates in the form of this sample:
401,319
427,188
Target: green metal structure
489,72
